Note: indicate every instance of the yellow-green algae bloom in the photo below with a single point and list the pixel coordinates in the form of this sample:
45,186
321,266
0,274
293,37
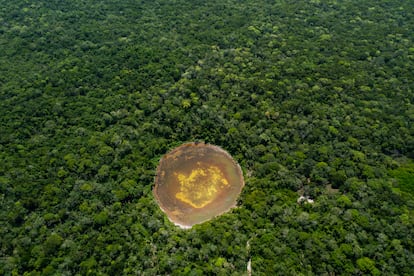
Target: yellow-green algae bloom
196,182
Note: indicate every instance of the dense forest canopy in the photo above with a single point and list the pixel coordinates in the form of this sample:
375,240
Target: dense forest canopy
311,98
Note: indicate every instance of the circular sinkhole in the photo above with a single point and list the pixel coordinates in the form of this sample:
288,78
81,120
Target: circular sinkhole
196,182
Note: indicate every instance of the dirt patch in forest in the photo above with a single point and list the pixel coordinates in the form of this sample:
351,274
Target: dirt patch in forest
196,182
331,190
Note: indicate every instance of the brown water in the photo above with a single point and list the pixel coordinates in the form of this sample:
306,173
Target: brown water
196,182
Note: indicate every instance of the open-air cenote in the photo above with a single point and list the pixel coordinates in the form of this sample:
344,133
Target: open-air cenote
196,182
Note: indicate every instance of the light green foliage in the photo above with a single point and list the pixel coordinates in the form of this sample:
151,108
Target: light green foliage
344,201
405,177
186,103
366,265
52,243
101,218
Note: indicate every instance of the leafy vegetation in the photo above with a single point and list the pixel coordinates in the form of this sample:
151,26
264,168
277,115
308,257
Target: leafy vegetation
405,177
309,96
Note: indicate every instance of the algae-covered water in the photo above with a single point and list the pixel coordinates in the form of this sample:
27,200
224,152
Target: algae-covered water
196,182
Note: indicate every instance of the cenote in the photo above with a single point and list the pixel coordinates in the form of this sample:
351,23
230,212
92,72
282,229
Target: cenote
196,182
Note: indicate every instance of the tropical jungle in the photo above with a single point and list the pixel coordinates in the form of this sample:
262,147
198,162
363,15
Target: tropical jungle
313,99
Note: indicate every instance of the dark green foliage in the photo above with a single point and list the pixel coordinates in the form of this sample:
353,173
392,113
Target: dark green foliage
310,97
